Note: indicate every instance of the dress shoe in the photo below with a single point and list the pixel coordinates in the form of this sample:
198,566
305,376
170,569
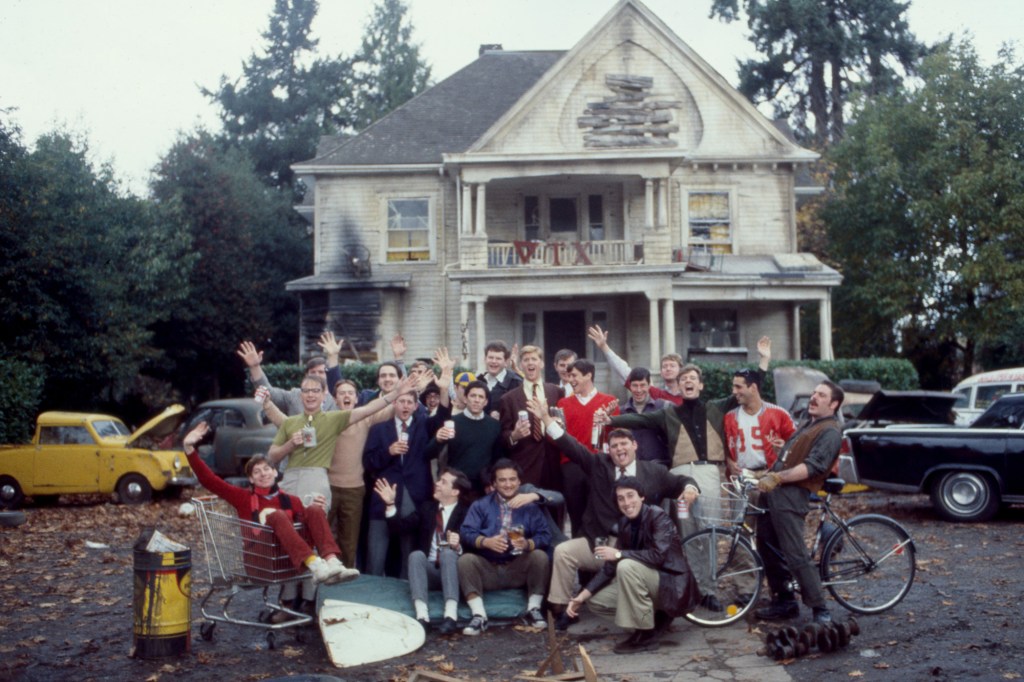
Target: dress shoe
448,626
642,640
779,610
662,621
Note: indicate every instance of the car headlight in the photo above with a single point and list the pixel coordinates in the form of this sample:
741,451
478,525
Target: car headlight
177,462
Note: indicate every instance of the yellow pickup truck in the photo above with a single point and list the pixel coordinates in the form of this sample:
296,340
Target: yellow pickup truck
73,452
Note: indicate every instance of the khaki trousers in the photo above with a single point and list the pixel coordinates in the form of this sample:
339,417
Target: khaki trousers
346,515
631,598
571,556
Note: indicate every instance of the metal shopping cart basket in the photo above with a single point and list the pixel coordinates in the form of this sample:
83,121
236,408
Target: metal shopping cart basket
242,555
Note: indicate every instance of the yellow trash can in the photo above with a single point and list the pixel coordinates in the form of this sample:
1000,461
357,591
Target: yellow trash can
162,603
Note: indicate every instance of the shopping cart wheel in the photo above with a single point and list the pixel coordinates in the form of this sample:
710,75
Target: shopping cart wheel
300,636
271,640
265,615
206,631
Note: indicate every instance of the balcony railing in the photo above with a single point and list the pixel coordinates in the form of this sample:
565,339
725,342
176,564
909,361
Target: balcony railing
568,253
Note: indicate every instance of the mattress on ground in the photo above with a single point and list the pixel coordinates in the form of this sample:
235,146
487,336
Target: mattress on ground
393,594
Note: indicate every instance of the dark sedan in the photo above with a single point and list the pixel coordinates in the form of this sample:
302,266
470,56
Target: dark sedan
967,471
240,431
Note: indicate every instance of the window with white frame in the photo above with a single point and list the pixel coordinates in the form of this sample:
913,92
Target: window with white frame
714,328
409,229
709,223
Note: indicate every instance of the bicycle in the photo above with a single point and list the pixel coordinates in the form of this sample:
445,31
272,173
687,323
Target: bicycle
867,562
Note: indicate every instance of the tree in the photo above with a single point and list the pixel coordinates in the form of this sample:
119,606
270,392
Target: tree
928,218
246,251
87,270
390,70
287,96
817,53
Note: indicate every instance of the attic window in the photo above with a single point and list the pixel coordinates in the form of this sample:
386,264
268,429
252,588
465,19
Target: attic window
408,229
710,223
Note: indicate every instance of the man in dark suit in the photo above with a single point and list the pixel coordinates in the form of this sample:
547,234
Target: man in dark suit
436,523
602,512
396,450
524,439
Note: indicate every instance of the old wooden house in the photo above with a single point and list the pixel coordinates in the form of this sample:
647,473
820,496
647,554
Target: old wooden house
623,182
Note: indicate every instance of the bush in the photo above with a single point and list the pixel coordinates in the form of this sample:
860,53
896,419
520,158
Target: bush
21,391
894,374
288,375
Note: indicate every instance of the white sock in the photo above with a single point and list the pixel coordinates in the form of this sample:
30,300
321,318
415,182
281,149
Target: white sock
451,609
421,610
534,601
476,605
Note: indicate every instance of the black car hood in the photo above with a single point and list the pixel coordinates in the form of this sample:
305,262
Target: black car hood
909,407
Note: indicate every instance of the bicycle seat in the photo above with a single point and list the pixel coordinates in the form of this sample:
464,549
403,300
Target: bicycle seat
833,485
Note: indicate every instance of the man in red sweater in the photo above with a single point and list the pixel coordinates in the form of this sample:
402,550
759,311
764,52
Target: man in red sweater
263,503
579,409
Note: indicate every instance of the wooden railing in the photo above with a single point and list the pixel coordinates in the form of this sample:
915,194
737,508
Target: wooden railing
568,253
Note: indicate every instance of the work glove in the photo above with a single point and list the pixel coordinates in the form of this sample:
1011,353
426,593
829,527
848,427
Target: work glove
768,482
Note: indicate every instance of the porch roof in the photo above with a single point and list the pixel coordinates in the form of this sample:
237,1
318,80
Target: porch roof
448,117
328,280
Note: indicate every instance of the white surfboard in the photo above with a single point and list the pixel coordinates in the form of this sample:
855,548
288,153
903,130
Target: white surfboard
356,634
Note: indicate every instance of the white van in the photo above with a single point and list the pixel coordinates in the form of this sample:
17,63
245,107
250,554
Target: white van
976,393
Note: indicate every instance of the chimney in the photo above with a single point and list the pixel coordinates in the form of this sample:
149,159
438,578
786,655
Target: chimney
489,47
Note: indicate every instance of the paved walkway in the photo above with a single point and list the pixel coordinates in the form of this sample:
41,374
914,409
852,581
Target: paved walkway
687,653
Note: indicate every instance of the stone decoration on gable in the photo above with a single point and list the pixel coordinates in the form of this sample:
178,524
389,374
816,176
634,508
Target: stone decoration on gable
629,118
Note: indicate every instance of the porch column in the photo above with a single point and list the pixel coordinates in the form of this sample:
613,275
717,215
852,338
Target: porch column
481,334
648,204
467,209
662,203
669,313
655,332
481,210
825,326
464,326
795,332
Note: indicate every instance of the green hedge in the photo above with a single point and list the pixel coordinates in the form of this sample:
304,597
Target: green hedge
21,390
892,373
287,375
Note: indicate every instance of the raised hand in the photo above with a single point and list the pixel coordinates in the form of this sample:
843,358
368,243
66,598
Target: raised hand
598,336
250,356
195,436
387,492
330,345
398,346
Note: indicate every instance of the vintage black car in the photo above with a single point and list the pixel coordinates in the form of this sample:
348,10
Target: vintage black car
241,430
968,471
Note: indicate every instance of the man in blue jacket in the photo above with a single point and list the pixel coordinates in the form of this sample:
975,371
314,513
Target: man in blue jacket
505,536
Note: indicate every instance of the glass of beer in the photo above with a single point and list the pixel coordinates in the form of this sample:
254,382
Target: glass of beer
516,532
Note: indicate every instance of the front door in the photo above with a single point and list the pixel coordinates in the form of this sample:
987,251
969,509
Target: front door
563,329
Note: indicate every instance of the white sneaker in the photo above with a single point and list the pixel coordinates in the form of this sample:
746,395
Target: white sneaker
343,574
322,571
477,625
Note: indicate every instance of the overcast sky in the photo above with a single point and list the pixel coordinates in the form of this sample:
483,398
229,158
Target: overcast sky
127,72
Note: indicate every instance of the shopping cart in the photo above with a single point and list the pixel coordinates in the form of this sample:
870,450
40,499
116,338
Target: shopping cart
242,555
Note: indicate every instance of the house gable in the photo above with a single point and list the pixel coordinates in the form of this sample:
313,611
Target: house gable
631,84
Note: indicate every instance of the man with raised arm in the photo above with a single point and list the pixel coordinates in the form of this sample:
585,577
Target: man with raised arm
289,401
601,514
671,368
803,464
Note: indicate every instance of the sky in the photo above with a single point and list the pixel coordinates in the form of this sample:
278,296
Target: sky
127,73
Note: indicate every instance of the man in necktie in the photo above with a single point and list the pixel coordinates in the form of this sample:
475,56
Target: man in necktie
602,512
434,563
523,438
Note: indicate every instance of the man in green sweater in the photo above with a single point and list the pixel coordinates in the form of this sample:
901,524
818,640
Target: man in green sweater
472,439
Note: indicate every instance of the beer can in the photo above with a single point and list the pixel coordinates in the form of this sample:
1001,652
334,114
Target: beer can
524,416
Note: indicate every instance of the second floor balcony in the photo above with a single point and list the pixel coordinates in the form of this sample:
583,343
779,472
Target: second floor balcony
556,253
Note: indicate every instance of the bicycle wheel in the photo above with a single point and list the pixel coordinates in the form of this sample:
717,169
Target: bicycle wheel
869,568
722,559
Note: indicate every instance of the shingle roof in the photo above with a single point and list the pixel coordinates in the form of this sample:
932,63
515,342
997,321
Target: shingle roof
447,118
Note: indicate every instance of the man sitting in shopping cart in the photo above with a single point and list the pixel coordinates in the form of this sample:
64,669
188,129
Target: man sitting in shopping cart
263,503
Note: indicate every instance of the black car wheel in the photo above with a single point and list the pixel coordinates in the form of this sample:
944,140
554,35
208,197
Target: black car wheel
134,489
10,493
965,496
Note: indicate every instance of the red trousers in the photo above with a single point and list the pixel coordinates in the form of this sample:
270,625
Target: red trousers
293,544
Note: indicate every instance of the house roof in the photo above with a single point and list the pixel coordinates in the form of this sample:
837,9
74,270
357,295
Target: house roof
447,118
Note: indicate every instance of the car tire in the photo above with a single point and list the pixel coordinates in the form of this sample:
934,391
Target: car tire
11,496
11,519
134,489
965,496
